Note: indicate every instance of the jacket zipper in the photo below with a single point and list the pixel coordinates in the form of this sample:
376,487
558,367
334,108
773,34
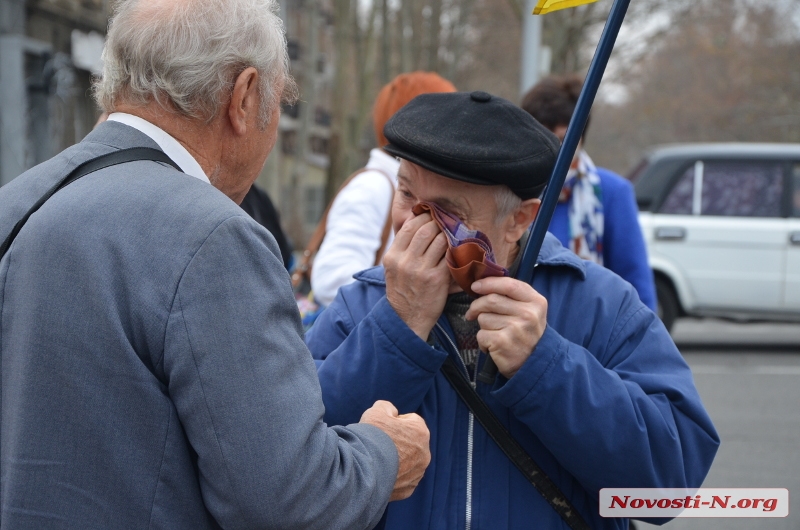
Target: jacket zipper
470,440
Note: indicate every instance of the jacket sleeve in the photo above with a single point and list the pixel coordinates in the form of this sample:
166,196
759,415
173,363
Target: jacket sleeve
377,358
247,395
630,417
352,235
624,249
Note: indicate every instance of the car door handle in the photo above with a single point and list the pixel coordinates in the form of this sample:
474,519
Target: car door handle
670,233
794,238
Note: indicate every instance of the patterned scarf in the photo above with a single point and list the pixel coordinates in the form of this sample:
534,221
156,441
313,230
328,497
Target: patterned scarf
584,196
465,331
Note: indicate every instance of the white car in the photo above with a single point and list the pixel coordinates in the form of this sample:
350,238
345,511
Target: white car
722,227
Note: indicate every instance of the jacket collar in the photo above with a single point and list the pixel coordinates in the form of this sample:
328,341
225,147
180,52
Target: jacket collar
553,254
119,136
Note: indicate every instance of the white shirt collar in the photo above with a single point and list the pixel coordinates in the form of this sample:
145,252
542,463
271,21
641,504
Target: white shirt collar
171,147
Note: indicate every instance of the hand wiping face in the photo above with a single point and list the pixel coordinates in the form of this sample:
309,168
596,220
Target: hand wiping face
469,254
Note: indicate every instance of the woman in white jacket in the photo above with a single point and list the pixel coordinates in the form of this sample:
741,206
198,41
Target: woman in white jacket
360,211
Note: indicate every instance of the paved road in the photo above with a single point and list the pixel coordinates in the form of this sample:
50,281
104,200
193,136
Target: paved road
749,378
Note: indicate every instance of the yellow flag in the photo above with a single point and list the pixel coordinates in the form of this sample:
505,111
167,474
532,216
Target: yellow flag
546,6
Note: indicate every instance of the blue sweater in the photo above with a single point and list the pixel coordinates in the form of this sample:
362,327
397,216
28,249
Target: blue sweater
624,251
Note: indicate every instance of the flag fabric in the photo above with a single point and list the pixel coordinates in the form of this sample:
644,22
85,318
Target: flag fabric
546,6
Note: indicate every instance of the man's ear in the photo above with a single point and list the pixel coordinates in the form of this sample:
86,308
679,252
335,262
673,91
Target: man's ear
245,100
521,219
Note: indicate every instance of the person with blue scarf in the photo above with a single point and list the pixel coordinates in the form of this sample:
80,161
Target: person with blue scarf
597,216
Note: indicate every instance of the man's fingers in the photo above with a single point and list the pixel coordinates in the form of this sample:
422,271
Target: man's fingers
405,235
503,285
385,406
492,321
494,303
401,494
424,236
488,341
412,439
435,251
497,343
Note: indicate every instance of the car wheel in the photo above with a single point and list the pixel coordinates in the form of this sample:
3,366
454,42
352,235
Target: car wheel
667,303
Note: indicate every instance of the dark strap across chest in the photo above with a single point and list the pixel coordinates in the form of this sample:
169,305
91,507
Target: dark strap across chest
511,448
90,166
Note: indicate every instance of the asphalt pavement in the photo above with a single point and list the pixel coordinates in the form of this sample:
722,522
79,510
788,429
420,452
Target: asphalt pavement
748,376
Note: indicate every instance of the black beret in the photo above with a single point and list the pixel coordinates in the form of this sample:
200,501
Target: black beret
474,137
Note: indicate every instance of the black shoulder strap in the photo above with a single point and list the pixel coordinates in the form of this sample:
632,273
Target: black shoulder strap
90,166
512,449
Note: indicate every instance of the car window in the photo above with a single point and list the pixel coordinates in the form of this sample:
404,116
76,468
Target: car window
743,189
679,199
729,188
796,187
638,171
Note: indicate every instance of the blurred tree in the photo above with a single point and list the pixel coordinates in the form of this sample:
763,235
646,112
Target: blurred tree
566,32
354,64
678,61
374,42
724,70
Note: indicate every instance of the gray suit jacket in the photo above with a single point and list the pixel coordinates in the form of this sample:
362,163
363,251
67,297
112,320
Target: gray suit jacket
153,369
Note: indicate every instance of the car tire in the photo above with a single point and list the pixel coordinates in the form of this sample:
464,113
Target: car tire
667,303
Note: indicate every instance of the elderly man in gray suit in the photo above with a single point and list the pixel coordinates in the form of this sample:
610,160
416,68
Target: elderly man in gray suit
153,369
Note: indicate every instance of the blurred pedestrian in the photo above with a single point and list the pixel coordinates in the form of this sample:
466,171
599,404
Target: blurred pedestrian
358,227
154,374
597,217
259,206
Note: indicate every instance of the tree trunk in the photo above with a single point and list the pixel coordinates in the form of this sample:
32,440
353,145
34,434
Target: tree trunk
457,37
434,32
307,108
337,146
386,52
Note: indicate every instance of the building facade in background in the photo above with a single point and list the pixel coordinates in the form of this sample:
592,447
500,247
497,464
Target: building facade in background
49,50
296,172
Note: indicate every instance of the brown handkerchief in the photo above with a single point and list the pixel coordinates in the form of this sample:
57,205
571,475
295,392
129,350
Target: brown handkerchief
469,254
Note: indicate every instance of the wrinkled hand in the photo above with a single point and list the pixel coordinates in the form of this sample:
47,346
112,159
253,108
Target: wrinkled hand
412,438
417,277
512,316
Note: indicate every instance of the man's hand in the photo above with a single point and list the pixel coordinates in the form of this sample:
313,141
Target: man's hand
412,438
417,277
512,316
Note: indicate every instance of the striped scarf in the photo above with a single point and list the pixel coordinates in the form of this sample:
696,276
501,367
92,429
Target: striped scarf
584,197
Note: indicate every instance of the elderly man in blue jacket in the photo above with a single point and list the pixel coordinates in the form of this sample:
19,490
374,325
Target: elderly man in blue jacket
590,384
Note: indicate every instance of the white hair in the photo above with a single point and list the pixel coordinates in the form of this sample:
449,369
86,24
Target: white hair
186,55
507,202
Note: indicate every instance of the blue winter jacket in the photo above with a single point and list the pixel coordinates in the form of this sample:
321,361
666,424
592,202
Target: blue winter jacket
624,251
605,400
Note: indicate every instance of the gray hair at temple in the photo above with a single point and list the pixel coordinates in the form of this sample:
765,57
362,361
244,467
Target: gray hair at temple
186,55
507,202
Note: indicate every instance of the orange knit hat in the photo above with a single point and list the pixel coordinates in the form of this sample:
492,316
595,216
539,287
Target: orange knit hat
400,91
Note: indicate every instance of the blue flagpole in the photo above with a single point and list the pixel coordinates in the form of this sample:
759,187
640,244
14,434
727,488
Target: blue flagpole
574,132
